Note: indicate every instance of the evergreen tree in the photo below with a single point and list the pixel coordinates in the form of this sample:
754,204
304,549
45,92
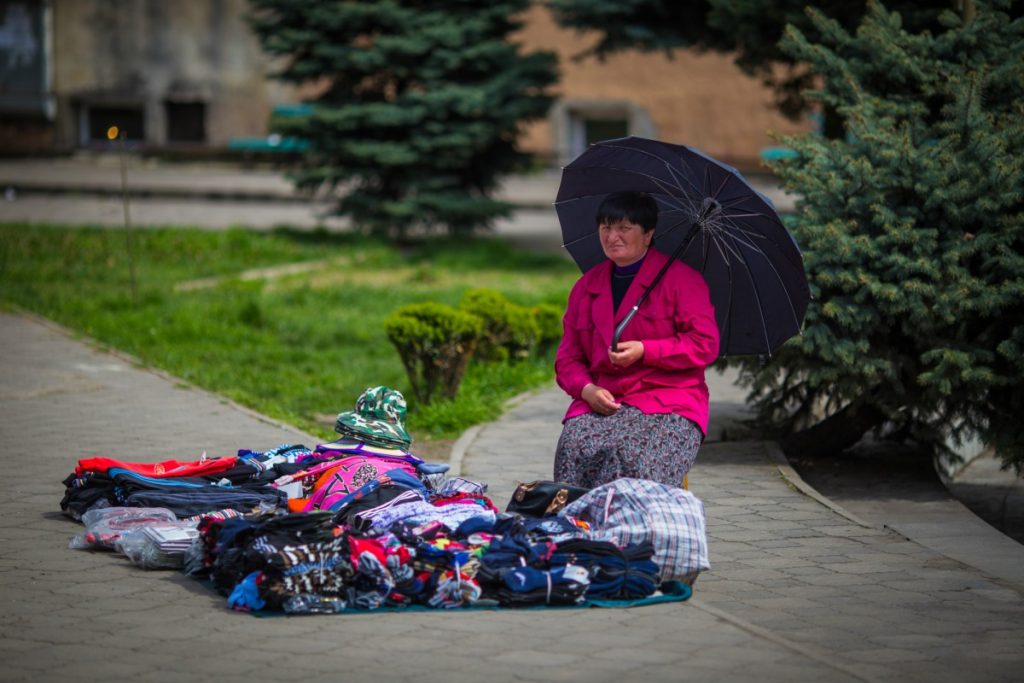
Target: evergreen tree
751,29
912,228
420,104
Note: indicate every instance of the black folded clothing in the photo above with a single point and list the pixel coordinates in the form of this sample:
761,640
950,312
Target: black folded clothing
615,573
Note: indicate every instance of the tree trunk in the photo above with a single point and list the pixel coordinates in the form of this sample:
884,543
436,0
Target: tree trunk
832,127
834,434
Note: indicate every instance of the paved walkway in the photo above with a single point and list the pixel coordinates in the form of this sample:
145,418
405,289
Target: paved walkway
801,588
797,592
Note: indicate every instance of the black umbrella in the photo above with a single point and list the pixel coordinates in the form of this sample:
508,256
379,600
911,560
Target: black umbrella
711,219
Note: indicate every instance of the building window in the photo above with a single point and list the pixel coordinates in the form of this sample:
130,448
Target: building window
578,123
186,121
99,119
587,126
597,130
25,59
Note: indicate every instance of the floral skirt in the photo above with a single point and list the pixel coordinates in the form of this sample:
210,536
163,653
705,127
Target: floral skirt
597,449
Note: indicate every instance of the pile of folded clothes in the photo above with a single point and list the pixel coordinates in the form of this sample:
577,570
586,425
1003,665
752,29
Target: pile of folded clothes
361,523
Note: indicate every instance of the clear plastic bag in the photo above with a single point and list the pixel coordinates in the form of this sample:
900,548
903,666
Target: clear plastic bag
161,545
104,526
307,603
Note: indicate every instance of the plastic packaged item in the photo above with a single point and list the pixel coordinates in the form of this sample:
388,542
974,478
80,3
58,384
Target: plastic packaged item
162,545
433,474
193,563
308,603
104,526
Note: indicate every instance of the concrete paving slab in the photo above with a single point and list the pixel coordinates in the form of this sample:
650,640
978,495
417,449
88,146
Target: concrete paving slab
849,585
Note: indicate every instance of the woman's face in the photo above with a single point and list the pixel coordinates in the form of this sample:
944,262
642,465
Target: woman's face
624,242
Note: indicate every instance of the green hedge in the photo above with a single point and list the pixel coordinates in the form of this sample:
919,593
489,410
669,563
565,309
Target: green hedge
509,330
435,342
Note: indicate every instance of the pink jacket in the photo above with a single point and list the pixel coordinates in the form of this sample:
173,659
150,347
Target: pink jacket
676,324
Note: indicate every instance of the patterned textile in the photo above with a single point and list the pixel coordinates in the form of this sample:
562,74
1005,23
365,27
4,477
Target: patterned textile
421,512
636,510
379,419
596,449
348,446
322,569
461,485
265,460
349,475
366,517
227,513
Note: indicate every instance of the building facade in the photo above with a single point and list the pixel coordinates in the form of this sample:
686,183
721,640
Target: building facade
189,74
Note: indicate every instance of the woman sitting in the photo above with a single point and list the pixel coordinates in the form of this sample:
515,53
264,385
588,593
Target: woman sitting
640,411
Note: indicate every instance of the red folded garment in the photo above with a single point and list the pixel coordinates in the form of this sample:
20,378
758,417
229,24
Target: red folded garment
167,468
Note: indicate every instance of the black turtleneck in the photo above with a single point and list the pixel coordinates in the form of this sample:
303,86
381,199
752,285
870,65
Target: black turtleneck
622,276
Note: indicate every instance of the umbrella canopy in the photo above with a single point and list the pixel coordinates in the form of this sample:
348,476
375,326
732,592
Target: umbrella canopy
710,218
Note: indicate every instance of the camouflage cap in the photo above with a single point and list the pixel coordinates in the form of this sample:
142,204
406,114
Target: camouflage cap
379,417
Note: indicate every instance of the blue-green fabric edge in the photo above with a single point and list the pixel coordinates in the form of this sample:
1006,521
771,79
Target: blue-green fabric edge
670,591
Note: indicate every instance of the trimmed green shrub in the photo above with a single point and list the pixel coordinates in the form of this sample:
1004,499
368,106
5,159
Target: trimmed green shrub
548,319
435,343
509,330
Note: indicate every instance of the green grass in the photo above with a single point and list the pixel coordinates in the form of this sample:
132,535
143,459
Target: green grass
298,346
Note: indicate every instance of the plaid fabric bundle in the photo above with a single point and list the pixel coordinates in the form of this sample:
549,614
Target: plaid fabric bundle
632,511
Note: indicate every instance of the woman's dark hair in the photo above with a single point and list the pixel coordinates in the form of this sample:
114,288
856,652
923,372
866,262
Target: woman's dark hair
636,207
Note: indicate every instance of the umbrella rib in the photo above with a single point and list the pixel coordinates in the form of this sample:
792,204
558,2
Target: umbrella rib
720,241
677,206
741,240
778,276
742,199
676,174
668,191
757,295
705,238
670,229
587,236
735,234
722,186
727,317
746,215
737,228
660,183
655,156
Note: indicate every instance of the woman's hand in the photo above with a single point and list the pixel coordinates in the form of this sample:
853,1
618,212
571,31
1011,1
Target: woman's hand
629,352
600,400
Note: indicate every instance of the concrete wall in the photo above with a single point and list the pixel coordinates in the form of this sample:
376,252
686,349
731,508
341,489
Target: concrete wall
702,100
125,52
143,53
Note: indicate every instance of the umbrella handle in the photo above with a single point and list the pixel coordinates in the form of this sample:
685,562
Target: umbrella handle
621,326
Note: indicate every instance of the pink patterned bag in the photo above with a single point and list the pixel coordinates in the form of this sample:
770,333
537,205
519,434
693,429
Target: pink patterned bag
348,475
